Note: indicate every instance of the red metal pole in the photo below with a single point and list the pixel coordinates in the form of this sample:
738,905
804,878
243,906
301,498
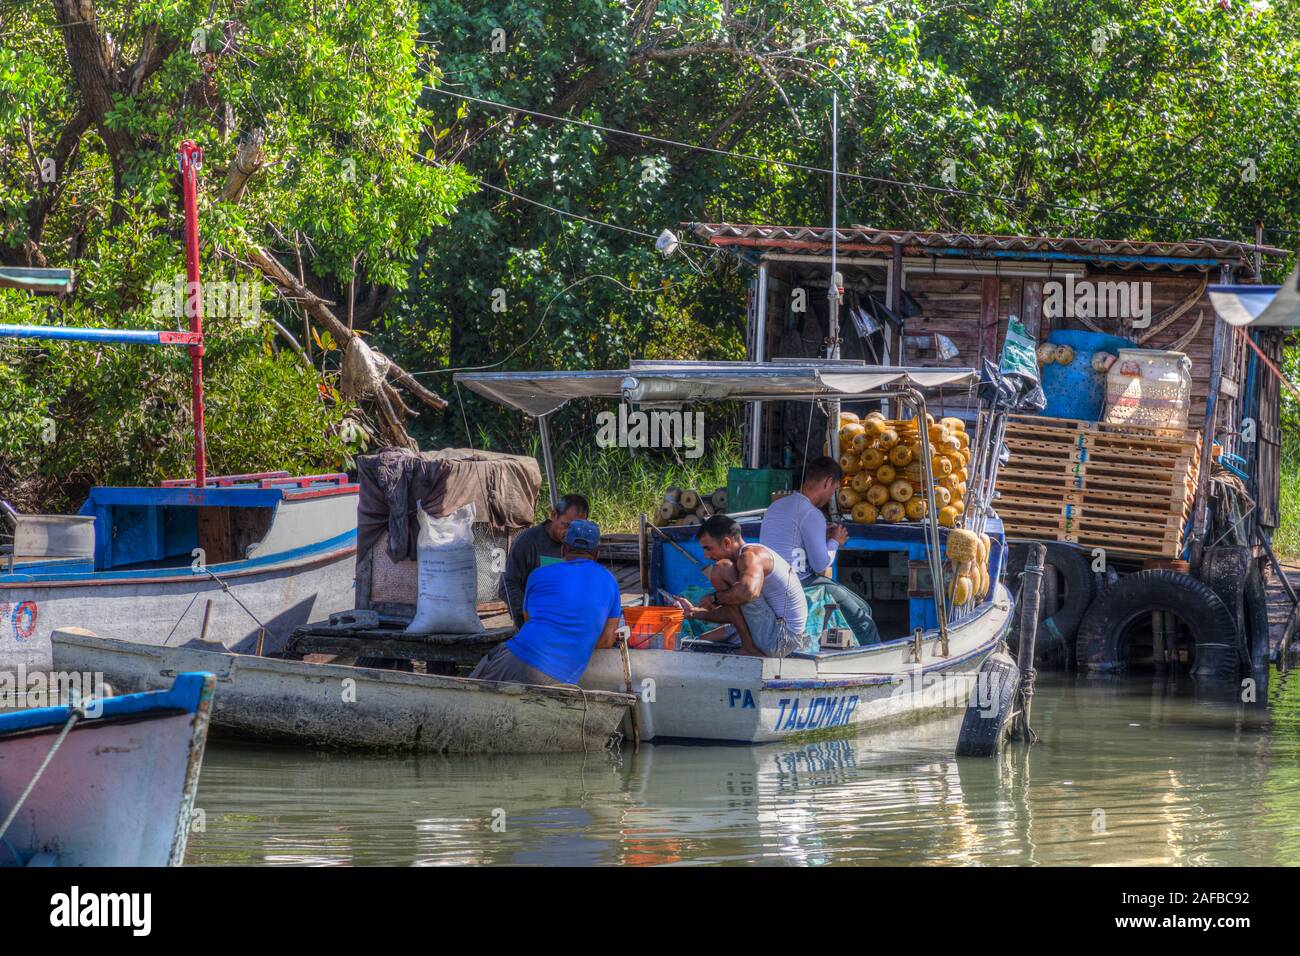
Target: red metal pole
191,158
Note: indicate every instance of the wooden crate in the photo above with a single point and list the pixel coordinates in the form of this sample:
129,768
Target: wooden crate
1123,488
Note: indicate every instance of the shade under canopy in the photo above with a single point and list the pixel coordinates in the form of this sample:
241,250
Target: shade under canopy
1259,306
675,383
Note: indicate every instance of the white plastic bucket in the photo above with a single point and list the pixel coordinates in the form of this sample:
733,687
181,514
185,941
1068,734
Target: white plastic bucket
1150,388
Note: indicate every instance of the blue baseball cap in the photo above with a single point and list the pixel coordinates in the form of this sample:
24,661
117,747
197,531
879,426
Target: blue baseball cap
583,535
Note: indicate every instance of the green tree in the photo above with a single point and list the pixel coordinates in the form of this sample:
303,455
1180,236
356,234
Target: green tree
312,186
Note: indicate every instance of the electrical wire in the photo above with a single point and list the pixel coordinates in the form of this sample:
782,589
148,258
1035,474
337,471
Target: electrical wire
540,323
805,167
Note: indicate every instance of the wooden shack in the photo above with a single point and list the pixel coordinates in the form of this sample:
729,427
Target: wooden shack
963,289
936,298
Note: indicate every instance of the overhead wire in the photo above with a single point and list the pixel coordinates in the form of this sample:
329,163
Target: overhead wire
864,177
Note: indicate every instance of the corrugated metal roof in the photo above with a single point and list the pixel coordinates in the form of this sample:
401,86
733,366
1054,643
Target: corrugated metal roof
1118,253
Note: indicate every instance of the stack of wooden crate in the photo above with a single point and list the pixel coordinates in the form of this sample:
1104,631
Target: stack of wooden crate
1123,488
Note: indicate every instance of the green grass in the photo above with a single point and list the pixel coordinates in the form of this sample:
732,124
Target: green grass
622,484
1286,541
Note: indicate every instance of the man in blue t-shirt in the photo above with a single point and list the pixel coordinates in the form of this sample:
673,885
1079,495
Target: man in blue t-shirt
570,609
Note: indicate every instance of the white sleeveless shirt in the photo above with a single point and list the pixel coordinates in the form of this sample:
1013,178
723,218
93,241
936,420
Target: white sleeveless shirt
783,592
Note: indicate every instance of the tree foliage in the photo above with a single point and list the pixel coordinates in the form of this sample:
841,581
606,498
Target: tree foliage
1160,119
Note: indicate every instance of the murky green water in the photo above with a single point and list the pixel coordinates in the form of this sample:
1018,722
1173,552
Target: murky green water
1122,775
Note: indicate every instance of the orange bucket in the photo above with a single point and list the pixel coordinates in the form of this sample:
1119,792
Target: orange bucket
653,628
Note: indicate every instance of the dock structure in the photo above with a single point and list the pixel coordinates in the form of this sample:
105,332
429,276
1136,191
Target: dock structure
1282,609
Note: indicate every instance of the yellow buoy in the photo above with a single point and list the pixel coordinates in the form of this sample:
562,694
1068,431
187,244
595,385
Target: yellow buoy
864,513
893,511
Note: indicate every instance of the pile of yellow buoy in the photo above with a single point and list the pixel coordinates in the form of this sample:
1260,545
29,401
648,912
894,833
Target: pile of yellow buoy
881,459
968,553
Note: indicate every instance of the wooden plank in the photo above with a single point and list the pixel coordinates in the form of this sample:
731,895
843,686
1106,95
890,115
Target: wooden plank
989,318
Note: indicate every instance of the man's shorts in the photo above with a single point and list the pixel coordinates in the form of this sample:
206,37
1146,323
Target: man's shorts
503,666
769,632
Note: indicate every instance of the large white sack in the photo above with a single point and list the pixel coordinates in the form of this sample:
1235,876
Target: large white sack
448,575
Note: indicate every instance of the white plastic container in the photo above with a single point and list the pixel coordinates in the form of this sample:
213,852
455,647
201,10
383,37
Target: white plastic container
1150,388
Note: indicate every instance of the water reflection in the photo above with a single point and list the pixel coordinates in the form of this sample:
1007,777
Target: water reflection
1124,773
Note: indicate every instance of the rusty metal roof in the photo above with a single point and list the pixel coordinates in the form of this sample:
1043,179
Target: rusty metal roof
1115,253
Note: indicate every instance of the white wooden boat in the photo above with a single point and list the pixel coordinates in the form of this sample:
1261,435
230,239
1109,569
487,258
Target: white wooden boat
269,551
699,694
119,788
357,707
715,696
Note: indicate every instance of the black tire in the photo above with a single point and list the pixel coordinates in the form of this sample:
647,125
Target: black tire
1067,579
1099,646
1226,570
985,726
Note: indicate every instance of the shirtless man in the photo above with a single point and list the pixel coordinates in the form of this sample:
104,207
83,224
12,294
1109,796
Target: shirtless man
755,591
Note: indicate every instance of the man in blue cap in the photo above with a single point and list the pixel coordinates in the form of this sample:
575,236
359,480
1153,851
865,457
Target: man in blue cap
570,609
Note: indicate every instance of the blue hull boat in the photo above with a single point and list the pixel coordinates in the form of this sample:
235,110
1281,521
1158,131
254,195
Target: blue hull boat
107,782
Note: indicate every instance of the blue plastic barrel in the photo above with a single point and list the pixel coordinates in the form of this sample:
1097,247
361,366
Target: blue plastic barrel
1075,390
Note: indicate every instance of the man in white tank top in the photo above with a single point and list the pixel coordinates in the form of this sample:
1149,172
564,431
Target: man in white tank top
756,592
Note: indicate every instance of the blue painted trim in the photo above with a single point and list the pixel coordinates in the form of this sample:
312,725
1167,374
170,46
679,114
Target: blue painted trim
1072,257
184,574
245,497
186,694
103,336
53,565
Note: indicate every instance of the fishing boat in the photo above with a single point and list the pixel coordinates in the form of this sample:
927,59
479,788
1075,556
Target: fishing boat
242,561
106,781
931,654
335,705
239,559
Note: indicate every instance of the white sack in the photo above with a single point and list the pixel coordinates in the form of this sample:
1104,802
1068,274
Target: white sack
448,575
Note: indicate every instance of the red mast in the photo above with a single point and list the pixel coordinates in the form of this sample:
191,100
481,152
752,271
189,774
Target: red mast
191,158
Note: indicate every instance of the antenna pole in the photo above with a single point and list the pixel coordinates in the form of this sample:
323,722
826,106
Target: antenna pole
835,292
833,350
191,158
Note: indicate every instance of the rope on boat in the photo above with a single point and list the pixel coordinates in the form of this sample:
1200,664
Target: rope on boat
76,711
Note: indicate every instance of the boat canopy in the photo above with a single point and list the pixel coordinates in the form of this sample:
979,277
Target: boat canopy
1259,306
675,383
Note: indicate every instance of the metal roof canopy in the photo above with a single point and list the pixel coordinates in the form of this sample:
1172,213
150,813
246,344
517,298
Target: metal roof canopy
1114,253
676,383
1259,306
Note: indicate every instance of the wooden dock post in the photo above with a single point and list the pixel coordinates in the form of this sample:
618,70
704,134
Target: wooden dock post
1031,585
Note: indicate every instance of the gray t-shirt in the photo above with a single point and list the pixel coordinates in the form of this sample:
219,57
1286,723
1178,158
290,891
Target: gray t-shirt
795,529
526,554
